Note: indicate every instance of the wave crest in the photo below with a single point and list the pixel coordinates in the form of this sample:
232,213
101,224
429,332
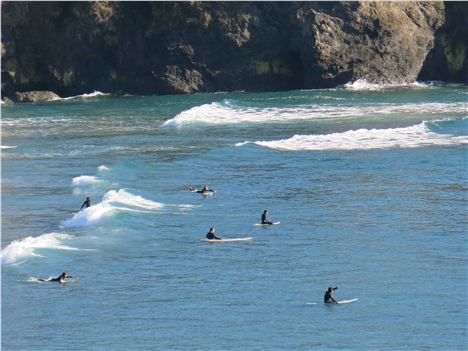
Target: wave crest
85,180
364,139
112,202
21,249
226,112
82,96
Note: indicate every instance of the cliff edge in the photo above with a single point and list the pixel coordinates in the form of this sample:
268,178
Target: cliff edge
187,47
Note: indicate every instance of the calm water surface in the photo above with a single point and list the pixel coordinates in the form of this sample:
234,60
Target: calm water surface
370,188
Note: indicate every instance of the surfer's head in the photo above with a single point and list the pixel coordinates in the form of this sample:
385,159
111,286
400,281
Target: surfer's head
330,289
265,211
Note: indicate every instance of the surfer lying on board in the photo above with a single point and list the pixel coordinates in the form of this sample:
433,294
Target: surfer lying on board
211,235
328,296
204,190
60,279
87,203
265,219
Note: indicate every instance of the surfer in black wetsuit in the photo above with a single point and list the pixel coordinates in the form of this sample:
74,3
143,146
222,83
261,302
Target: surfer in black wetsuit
205,190
87,203
328,296
265,219
60,279
211,235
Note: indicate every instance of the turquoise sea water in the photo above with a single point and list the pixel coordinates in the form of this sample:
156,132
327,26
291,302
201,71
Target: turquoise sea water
370,187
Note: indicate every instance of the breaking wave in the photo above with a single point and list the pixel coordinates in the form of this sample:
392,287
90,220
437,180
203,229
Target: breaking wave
20,250
226,112
113,201
84,180
419,135
103,168
82,96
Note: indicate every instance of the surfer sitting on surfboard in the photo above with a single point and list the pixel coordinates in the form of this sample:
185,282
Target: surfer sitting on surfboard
87,203
265,219
60,279
211,235
328,296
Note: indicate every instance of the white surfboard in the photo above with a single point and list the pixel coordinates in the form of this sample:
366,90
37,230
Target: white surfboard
341,302
209,192
265,225
216,241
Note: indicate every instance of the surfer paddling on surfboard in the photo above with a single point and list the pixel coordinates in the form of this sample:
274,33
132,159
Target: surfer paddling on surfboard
204,190
265,218
328,296
211,235
60,279
87,203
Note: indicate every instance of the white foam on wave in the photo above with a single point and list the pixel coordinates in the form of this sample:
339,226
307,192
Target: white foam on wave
84,180
363,139
20,250
83,96
112,202
363,85
7,147
103,168
223,113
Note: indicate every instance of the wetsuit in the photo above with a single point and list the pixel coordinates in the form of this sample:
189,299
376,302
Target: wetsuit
328,297
59,279
87,203
211,236
265,219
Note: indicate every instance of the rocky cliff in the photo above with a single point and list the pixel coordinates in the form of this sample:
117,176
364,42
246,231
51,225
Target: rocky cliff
186,47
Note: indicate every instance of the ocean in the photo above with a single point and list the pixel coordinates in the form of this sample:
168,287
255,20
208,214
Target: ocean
369,184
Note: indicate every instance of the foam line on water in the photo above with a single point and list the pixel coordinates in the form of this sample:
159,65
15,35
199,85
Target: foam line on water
20,250
224,113
113,201
363,139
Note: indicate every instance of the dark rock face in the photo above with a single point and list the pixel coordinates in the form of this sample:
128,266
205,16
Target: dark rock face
36,96
186,47
448,60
